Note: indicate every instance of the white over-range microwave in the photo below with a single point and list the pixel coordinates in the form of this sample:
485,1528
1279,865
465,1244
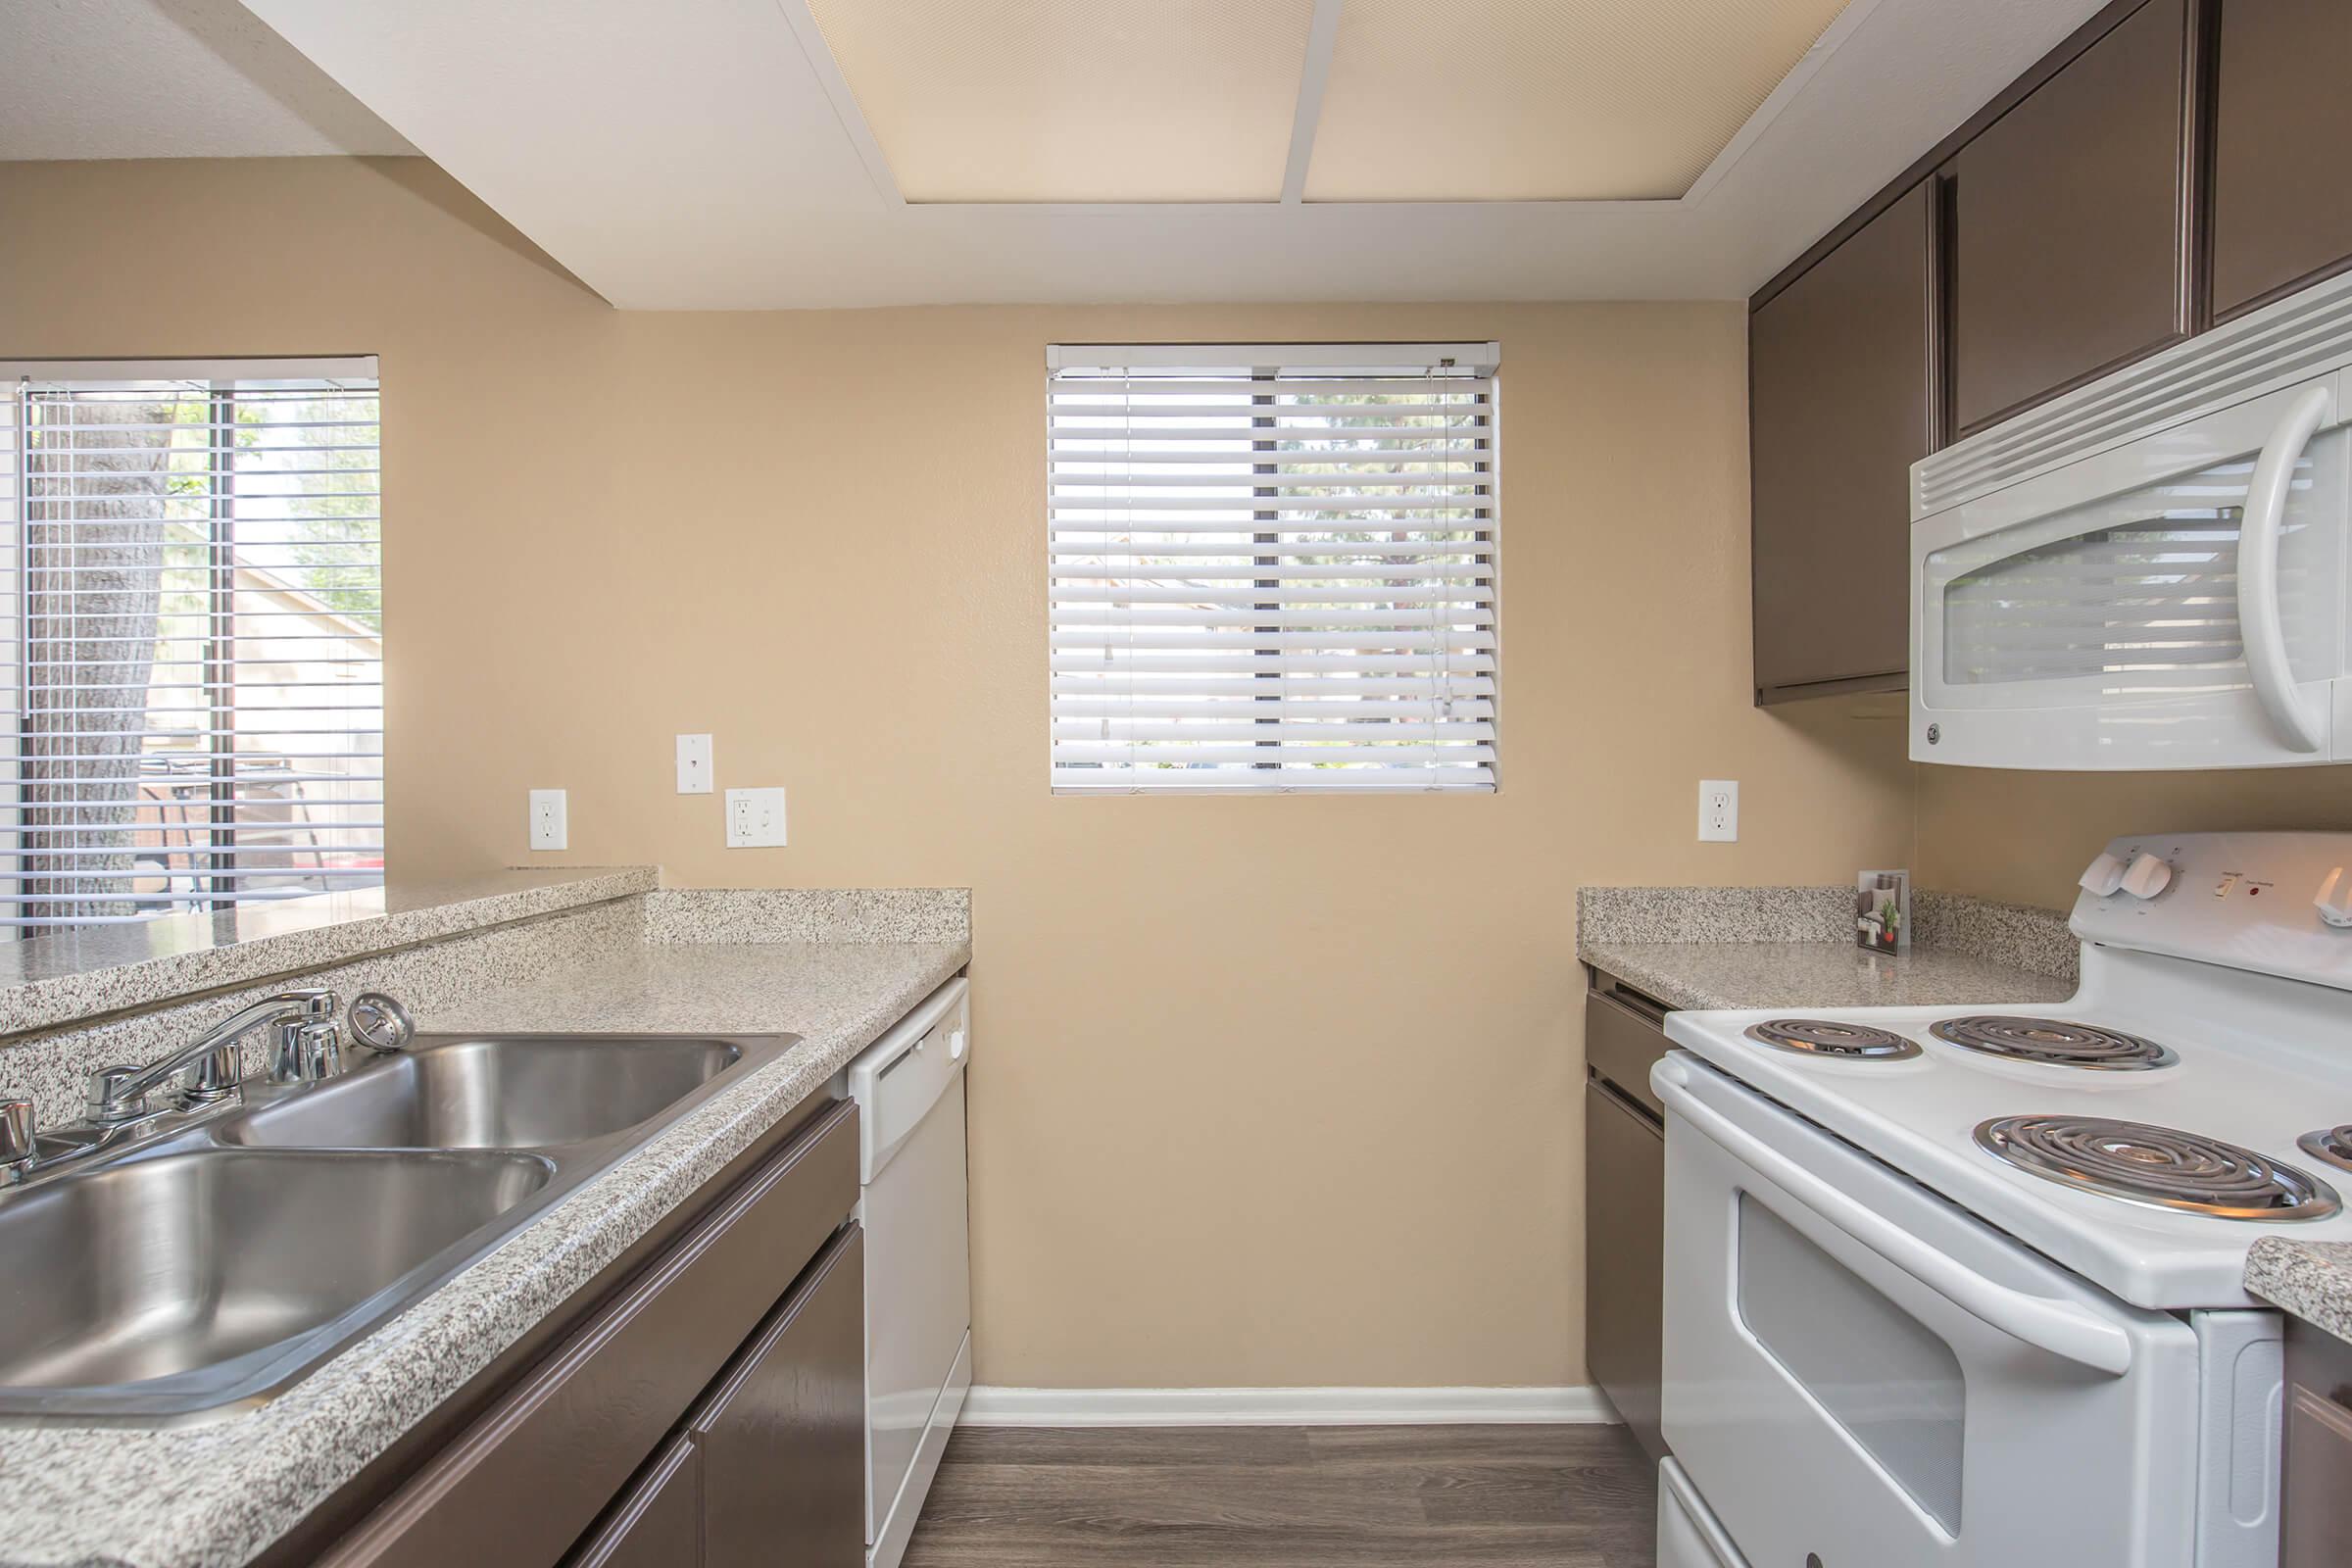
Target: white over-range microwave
2151,571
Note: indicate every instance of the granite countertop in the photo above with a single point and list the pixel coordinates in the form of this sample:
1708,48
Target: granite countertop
1793,946
2312,1280
1815,974
214,1494
69,975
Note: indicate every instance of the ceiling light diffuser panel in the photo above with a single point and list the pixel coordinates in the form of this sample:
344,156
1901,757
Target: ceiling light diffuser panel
1075,99
1545,100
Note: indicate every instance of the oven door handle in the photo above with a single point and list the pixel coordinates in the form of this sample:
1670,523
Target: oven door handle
2055,1327
2259,616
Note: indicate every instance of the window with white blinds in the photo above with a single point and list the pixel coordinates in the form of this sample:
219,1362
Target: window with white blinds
191,638
1273,566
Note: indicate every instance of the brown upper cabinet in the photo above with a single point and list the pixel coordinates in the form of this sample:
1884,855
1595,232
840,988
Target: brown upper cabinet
1842,405
2071,234
2280,113
2161,170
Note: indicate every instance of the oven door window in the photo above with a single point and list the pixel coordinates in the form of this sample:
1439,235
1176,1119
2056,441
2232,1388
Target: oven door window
1879,1373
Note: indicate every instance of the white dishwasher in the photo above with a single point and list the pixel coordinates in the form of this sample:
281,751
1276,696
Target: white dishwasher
908,1086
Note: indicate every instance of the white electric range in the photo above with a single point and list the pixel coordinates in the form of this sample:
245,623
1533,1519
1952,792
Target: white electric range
1962,1286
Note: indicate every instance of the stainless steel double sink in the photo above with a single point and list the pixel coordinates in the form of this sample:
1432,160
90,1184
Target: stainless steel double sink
210,1269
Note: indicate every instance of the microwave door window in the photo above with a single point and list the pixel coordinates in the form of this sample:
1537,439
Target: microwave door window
2148,607
2135,596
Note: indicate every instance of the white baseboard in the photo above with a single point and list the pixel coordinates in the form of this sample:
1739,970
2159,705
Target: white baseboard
1282,1407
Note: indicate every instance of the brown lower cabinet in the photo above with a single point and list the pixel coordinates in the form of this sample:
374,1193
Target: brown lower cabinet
659,1521
1625,1204
783,1431
704,1408
2316,1516
775,1453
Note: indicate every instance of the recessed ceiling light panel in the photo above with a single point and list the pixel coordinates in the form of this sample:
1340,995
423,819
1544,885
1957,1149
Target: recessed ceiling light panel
1075,99
1547,100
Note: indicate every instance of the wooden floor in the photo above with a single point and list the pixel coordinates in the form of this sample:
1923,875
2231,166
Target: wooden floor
1564,1497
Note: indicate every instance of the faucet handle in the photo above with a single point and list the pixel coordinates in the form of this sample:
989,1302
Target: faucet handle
108,1102
306,1053
216,1076
16,1144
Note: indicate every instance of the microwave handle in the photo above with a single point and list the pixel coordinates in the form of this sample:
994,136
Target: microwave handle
2061,1330
2257,613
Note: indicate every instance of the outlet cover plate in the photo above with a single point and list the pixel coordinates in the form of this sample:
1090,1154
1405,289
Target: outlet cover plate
1719,811
549,820
755,819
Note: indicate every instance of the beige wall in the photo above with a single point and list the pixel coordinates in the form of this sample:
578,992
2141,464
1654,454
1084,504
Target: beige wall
2025,836
1271,1091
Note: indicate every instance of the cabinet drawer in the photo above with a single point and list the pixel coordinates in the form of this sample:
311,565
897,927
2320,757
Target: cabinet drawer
569,1435
659,1524
782,1432
1622,1047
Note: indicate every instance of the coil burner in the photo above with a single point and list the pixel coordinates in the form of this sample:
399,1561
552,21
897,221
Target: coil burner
1818,1037
2051,1042
2332,1145
2159,1167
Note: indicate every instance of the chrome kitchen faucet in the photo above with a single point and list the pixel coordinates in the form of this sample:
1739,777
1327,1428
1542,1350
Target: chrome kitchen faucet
306,1047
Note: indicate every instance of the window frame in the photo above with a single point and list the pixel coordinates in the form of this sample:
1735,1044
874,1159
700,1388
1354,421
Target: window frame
1445,366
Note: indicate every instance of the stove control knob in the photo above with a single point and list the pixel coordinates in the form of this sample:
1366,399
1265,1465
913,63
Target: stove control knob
2104,876
2335,899
2147,875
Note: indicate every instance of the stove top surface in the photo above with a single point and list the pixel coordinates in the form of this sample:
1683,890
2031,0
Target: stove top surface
2199,1079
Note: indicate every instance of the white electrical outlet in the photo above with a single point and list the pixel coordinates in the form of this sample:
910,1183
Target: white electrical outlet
551,825
694,764
755,819
1719,811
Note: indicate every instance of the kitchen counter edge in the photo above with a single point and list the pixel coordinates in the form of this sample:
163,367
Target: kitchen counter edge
2308,1279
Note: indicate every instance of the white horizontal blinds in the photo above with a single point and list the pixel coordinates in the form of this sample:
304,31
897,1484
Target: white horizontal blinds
1272,567
197,639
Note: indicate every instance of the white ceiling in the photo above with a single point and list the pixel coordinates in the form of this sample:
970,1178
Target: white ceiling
708,154
168,78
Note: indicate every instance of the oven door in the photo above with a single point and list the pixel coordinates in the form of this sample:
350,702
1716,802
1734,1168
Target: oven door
1861,1375
2177,600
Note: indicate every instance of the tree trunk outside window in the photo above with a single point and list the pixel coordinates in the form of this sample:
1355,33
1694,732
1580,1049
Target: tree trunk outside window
97,591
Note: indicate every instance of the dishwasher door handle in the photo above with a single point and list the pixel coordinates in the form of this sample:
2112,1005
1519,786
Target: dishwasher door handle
2056,1327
